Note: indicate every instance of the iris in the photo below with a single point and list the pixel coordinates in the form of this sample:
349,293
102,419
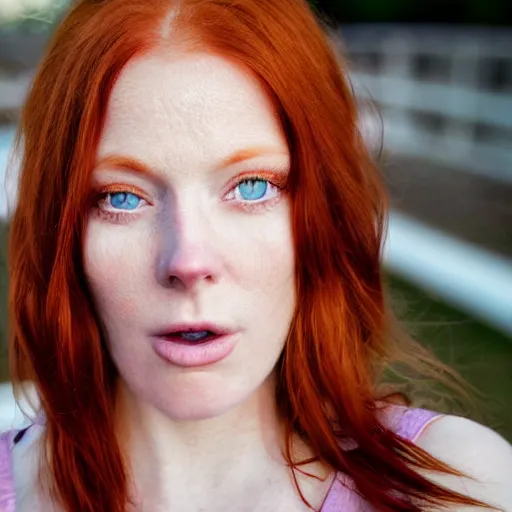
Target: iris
124,200
252,190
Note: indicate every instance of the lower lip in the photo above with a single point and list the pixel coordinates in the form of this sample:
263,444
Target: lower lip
189,355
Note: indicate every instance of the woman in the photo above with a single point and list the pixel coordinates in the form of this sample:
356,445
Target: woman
195,280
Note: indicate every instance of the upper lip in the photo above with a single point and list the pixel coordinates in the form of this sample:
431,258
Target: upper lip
215,328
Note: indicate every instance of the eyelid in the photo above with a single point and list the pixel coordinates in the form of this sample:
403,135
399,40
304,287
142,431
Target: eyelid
114,188
277,178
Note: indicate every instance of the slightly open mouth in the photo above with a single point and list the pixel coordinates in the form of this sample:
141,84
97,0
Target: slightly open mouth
191,337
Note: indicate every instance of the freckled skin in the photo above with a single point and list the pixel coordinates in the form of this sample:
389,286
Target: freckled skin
180,116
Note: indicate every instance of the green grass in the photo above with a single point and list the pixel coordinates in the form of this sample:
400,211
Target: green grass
482,355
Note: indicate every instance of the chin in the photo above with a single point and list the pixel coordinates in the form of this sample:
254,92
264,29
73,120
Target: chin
197,397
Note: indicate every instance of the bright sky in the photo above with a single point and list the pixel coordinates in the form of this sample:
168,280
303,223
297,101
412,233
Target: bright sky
10,10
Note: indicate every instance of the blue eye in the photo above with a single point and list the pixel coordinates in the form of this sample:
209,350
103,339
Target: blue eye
252,190
124,200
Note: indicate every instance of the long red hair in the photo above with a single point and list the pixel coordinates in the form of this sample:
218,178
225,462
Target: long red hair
329,373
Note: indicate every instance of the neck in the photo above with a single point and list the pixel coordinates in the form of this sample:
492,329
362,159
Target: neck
227,451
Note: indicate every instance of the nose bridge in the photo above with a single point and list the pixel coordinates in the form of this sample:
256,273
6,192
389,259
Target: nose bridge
189,223
187,249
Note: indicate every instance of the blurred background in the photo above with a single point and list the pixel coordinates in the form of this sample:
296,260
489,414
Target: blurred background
434,85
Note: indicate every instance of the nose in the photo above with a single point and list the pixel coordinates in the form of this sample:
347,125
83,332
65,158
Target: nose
188,254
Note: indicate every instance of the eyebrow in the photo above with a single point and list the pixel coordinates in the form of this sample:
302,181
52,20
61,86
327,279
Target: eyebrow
124,162
248,154
132,164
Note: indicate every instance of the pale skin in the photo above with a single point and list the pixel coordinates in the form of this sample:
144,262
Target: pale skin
199,438
476,451
209,439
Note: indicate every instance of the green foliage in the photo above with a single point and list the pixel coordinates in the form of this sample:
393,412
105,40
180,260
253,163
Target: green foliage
480,354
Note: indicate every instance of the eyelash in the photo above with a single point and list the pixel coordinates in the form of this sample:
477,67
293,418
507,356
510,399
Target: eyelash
116,216
274,179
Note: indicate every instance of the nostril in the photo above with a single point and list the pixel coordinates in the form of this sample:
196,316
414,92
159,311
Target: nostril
174,281
188,279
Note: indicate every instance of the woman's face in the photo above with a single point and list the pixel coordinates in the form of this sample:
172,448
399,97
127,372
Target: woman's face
191,234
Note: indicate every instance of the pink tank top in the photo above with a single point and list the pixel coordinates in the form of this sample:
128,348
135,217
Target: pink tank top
407,423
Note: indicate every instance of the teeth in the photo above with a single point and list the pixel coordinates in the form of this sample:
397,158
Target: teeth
195,336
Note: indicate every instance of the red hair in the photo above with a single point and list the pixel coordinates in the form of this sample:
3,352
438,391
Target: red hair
329,372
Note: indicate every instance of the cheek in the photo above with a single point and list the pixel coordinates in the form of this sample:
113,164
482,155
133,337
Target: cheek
113,268
266,262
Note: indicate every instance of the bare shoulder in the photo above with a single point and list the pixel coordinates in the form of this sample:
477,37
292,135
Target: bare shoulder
478,452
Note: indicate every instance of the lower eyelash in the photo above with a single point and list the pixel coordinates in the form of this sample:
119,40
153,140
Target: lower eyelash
116,217
260,205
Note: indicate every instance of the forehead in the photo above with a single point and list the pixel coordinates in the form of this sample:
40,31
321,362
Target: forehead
191,105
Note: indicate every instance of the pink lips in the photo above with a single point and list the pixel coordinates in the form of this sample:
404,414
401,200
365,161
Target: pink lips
188,354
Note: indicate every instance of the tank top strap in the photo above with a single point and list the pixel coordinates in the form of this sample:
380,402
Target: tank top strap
407,423
413,422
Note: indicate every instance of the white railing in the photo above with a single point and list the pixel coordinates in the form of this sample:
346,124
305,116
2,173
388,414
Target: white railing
385,73
475,280
475,132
